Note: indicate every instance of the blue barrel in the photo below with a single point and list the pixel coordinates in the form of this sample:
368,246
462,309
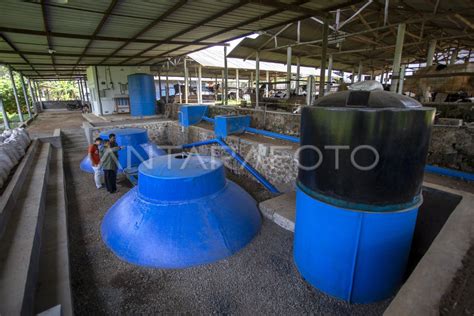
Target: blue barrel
358,191
183,213
137,148
142,93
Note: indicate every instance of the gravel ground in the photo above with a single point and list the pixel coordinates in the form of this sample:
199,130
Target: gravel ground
260,279
458,300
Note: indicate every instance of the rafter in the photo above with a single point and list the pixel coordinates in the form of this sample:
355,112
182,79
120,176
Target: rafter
15,49
148,27
46,29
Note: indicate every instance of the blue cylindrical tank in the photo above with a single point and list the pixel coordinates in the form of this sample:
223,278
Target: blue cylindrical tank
358,191
138,148
142,93
184,212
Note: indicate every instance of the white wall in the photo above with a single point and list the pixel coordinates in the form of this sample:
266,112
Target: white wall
112,82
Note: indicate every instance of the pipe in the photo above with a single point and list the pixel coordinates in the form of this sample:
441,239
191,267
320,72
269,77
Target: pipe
208,119
272,134
249,168
201,143
449,172
238,158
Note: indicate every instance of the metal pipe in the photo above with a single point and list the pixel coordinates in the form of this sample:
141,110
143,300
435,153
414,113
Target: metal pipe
272,134
297,83
267,85
329,83
15,93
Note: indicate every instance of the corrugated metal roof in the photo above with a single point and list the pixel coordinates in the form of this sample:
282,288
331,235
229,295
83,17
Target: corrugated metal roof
73,23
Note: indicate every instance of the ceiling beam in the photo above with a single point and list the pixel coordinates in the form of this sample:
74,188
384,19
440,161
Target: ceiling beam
280,24
12,46
295,7
46,29
148,27
191,28
106,15
97,38
36,53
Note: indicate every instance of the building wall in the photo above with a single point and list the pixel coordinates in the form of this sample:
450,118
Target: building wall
112,82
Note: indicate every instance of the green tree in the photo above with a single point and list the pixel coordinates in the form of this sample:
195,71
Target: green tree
53,90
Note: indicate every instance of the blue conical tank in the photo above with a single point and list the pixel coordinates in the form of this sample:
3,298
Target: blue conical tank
183,213
137,148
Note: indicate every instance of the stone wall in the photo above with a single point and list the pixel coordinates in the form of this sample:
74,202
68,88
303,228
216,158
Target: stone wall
451,147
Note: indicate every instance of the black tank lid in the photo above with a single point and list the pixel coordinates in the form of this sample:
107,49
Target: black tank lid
367,99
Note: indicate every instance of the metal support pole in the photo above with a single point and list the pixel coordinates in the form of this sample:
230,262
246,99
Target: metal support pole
397,59
381,76
402,77
186,83
359,72
267,86
297,83
353,75
33,97
251,80
329,85
454,57
309,90
6,123
160,89
431,52
226,76
15,93
25,95
97,87
86,90
199,84
324,47
257,79
167,83
79,90
237,96
288,72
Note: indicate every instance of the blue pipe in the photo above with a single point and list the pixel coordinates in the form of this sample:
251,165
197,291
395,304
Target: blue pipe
237,157
249,168
208,119
449,172
201,143
272,134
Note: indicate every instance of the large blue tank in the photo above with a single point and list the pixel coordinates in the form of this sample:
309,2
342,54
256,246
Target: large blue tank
138,148
142,93
184,212
358,191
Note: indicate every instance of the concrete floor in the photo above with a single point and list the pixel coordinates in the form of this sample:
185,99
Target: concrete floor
261,278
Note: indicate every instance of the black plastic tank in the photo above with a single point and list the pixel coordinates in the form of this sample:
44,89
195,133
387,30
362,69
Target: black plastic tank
366,147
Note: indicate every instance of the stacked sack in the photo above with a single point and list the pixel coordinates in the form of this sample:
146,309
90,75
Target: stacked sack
13,145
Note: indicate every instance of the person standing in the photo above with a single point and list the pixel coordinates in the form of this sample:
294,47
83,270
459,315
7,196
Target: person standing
109,158
94,156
